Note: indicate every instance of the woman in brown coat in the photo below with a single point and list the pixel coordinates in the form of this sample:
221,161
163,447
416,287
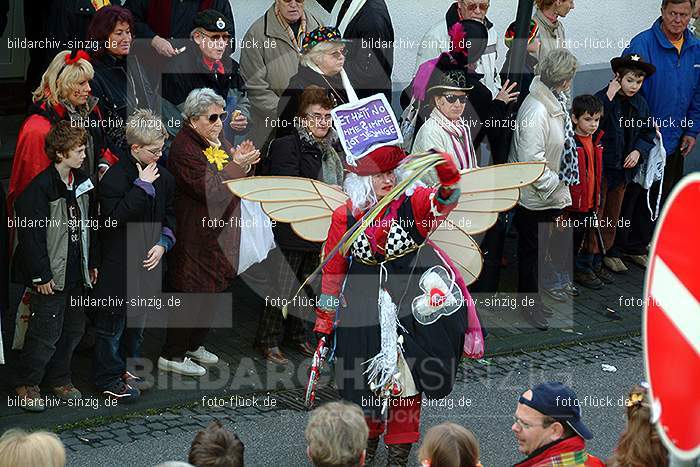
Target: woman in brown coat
205,256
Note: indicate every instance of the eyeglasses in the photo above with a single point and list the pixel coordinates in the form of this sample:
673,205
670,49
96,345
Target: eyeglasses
338,54
482,6
218,37
451,98
157,153
320,118
524,425
214,117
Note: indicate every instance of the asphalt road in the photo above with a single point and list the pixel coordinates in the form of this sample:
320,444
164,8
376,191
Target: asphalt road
277,439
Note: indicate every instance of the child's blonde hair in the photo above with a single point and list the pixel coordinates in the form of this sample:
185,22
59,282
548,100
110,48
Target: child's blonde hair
21,449
60,78
336,435
449,445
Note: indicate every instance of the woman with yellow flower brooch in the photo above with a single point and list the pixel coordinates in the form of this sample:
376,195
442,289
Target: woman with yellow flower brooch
205,257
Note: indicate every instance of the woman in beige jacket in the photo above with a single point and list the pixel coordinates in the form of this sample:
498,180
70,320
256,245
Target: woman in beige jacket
540,136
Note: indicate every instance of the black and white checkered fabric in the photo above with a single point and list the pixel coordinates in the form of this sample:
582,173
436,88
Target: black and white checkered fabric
361,248
398,241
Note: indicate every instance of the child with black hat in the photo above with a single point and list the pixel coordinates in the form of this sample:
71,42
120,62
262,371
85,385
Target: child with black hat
629,136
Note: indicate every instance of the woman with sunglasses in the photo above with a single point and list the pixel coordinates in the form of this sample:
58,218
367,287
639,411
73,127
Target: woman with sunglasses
445,129
205,257
322,60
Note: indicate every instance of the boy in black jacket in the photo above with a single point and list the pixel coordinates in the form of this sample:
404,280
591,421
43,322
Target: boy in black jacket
55,258
136,199
629,136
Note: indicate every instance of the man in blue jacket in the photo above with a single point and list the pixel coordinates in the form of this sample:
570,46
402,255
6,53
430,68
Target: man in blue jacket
673,92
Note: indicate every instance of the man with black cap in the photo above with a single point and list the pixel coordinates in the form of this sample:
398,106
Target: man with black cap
548,427
206,63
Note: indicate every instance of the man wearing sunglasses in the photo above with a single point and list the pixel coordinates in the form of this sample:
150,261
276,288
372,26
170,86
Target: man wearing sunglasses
437,40
206,63
548,428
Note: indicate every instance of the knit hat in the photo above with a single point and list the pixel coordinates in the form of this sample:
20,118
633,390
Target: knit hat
510,33
321,34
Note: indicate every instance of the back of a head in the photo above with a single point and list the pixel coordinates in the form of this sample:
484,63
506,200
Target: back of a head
216,447
336,434
449,445
640,444
174,464
21,449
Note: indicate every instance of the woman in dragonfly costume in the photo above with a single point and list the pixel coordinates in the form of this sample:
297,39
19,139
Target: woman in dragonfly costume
397,260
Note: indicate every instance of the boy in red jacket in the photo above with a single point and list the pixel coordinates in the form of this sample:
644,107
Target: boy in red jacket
586,113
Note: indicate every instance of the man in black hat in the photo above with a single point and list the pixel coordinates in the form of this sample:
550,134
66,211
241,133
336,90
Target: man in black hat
548,427
206,63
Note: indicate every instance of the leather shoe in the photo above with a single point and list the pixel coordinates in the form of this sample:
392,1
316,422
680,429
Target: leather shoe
274,355
535,318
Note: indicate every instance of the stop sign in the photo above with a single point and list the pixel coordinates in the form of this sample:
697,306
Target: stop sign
671,322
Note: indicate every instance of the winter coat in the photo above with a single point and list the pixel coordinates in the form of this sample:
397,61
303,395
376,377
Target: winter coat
293,156
121,86
566,452
205,257
552,36
673,92
289,100
268,61
141,212
42,252
638,133
580,193
30,157
437,40
539,136
173,19
369,68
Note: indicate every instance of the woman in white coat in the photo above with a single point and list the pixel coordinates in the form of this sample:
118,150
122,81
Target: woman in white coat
544,133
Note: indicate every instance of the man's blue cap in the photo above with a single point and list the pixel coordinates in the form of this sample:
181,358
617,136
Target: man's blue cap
558,401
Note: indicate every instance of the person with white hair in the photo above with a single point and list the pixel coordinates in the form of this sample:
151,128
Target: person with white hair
322,60
205,256
21,449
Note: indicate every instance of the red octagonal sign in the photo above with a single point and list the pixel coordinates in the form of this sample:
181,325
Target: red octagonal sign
672,320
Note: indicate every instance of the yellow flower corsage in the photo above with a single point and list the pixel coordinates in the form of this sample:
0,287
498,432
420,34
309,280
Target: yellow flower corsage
636,398
216,156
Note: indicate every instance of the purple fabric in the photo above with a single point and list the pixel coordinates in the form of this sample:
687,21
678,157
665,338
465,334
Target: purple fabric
420,82
146,186
168,233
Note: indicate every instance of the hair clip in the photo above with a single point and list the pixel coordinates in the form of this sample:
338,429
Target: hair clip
75,55
636,399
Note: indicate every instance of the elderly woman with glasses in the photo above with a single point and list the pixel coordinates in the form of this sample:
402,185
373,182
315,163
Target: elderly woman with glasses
205,257
136,199
322,60
308,152
445,129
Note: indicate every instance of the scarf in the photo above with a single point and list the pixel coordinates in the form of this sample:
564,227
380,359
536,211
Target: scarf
567,452
331,165
298,38
350,14
568,166
349,90
463,149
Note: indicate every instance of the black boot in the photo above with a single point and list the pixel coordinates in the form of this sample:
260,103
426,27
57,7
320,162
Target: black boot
371,451
397,455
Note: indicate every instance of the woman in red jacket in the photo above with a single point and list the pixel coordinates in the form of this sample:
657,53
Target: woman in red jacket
415,336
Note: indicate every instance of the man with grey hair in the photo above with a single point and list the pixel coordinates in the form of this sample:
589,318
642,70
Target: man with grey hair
270,57
137,218
437,40
675,52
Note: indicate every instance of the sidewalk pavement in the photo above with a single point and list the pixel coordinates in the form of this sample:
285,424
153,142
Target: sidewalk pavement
242,370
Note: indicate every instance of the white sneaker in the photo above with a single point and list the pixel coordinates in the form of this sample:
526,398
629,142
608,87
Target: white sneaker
202,355
615,264
186,367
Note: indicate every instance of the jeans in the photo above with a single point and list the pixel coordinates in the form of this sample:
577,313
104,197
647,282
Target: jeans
55,329
116,342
